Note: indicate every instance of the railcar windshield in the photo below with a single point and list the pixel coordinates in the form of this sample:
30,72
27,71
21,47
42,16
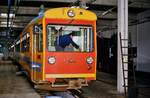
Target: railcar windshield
70,38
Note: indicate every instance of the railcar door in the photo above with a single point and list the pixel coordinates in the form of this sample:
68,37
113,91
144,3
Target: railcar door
37,53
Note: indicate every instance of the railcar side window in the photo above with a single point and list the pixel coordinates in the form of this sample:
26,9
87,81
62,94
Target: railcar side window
39,42
38,38
28,42
82,37
24,45
25,40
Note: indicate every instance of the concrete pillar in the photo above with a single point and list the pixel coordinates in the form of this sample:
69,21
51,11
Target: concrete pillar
123,29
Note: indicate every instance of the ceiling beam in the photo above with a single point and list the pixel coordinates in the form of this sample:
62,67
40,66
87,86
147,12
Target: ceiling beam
100,2
14,26
65,3
33,12
143,3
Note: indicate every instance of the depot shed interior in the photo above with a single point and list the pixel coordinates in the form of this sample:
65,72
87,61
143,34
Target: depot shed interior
16,14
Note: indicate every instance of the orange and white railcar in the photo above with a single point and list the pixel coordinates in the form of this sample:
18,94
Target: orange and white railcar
71,68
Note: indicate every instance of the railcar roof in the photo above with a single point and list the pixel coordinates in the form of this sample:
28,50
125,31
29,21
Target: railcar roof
62,13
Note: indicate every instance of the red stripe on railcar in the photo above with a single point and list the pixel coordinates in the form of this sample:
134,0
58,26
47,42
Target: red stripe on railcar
64,21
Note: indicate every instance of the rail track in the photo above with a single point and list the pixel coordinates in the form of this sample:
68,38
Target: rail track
66,94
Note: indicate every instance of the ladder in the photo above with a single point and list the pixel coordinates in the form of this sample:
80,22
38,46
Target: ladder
124,57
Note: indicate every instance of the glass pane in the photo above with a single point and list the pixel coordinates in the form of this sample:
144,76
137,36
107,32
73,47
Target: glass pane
69,38
24,43
28,42
51,36
38,39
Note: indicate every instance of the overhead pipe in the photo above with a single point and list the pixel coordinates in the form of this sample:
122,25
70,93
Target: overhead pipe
82,3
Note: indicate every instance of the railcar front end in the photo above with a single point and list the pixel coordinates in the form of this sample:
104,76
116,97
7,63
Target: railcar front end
70,66
49,68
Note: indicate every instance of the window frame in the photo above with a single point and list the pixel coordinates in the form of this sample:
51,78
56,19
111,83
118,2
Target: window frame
93,40
37,37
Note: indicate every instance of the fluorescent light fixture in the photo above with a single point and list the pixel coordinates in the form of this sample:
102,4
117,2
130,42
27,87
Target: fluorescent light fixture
12,46
5,15
4,22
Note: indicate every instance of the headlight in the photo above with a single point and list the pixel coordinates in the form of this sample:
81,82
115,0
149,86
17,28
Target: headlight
51,60
71,13
89,60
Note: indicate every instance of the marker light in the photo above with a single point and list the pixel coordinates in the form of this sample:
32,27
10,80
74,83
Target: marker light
51,60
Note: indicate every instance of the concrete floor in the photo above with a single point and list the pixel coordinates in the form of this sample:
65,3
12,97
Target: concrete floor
143,84
13,86
103,87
